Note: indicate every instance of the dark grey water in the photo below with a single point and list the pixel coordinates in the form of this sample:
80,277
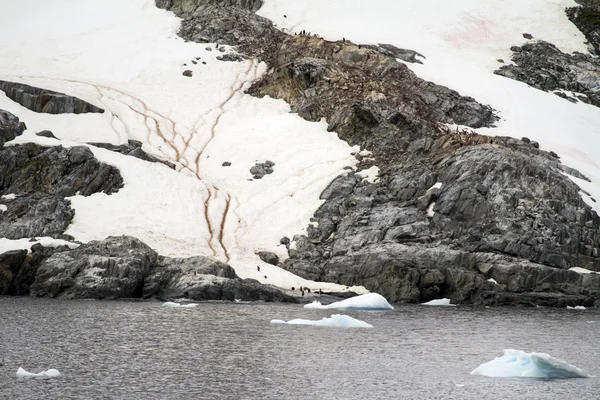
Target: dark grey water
130,350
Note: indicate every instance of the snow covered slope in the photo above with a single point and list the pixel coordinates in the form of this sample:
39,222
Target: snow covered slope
462,41
125,56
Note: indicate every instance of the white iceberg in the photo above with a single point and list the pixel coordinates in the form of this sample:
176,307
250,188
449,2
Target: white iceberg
51,373
576,308
439,302
518,364
369,301
171,304
335,321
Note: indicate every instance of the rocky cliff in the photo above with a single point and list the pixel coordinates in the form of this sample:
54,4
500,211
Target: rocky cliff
453,214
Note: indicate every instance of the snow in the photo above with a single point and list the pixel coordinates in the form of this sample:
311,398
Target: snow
492,280
170,304
25,244
430,212
462,41
437,185
370,174
127,58
50,373
369,301
583,271
10,196
335,321
518,364
3,208
439,302
576,308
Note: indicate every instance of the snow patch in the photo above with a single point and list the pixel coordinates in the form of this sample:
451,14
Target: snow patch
335,321
369,174
3,208
369,301
25,244
583,271
518,364
430,212
492,280
576,308
10,196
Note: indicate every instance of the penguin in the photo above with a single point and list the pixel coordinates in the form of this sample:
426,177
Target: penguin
258,268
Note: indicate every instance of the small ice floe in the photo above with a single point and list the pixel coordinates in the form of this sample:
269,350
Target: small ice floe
369,301
50,373
518,364
335,321
439,302
576,308
171,304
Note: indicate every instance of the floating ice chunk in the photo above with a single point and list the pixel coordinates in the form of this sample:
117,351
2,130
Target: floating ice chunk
51,373
576,308
369,301
170,304
439,302
518,364
335,321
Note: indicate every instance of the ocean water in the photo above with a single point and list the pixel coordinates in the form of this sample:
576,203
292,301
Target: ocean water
140,350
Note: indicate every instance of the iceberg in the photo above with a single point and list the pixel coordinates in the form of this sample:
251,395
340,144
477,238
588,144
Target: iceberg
369,301
335,321
51,373
518,364
439,302
170,304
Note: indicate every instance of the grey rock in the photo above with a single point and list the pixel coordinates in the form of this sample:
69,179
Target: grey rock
226,164
543,66
112,268
259,170
10,127
193,6
587,19
46,133
527,36
268,257
133,148
46,101
187,73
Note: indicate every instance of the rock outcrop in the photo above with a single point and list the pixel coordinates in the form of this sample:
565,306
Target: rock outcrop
10,127
46,101
543,66
587,19
451,210
34,181
124,267
133,148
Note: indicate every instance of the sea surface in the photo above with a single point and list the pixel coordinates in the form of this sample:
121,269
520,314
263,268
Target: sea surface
140,350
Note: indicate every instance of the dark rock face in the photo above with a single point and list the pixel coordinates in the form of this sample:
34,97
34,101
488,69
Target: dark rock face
133,148
124,267
543,66
587,19
268,257
112,268
10,127
40,178
46,101
504,209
